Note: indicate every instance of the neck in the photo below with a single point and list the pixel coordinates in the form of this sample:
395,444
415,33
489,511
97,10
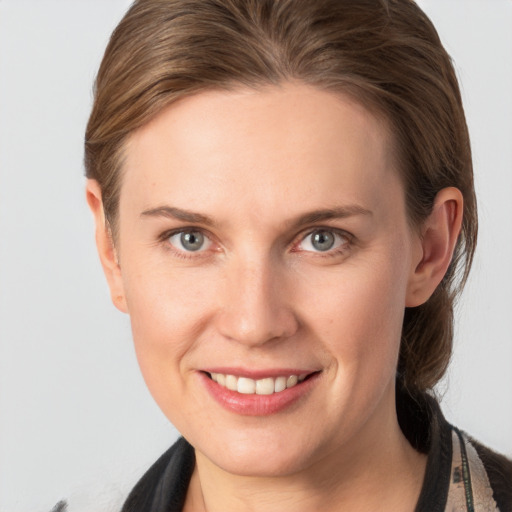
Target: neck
377,471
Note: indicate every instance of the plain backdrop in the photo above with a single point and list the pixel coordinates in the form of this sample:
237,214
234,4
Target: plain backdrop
76,421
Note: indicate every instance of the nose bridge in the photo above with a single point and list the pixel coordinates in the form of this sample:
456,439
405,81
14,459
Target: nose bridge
255,307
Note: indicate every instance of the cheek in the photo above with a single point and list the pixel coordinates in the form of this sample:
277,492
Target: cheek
359,315
168,311
164,298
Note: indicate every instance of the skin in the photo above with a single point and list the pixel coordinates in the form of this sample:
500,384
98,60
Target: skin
259,295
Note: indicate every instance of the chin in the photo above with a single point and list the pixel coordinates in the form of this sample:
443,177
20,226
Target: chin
261,465
258,455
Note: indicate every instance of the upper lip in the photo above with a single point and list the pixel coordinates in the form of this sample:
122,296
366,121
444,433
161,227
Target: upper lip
260,374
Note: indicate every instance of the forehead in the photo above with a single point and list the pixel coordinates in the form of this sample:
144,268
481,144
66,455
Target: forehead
292,145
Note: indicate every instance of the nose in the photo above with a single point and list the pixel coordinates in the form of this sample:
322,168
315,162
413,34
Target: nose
256,305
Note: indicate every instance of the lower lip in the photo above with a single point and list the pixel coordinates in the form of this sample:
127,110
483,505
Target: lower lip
258,405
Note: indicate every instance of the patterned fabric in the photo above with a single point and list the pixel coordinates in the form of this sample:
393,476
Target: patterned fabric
470,489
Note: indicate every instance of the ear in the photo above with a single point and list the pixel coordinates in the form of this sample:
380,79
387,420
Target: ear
105,246
437,240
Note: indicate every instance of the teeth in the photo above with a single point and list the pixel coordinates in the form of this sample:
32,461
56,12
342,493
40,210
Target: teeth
246,386
280,384
292,380
231,382
266,386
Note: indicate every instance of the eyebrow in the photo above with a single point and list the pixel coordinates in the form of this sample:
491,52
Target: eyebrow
312,217
341,212
177,213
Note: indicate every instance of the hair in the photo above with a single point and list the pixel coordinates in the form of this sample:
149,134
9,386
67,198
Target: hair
385,54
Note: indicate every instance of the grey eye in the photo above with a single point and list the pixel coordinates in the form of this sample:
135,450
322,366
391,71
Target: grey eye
192,241
189,241
322,240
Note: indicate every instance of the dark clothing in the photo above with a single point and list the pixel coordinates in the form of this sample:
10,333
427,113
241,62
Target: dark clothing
461,475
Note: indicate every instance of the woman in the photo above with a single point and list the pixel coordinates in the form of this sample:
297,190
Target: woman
284,200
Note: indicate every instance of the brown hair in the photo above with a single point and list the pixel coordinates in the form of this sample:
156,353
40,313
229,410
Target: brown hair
384,53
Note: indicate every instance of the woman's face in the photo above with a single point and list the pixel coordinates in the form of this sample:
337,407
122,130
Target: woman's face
263,237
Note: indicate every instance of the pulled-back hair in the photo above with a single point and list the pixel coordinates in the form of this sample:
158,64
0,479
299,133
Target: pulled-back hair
385,54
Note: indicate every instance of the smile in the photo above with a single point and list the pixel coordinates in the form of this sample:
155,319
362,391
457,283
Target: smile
266,386
261,394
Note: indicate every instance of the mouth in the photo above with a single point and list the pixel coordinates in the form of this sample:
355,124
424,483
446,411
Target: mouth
265,386
262,395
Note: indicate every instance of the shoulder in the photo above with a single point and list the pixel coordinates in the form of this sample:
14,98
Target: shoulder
461,473
498,470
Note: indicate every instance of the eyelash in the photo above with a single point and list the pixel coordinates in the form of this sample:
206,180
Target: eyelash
330,253
186,255
164,238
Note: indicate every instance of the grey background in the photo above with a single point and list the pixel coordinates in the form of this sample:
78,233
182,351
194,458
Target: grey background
76,421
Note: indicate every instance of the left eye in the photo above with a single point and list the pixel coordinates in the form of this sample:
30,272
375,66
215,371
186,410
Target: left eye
190,241
323,240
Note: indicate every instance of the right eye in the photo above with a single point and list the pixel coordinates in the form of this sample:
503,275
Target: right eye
189,241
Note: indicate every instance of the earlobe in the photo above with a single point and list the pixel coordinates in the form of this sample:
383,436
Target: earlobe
439,236
105,245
